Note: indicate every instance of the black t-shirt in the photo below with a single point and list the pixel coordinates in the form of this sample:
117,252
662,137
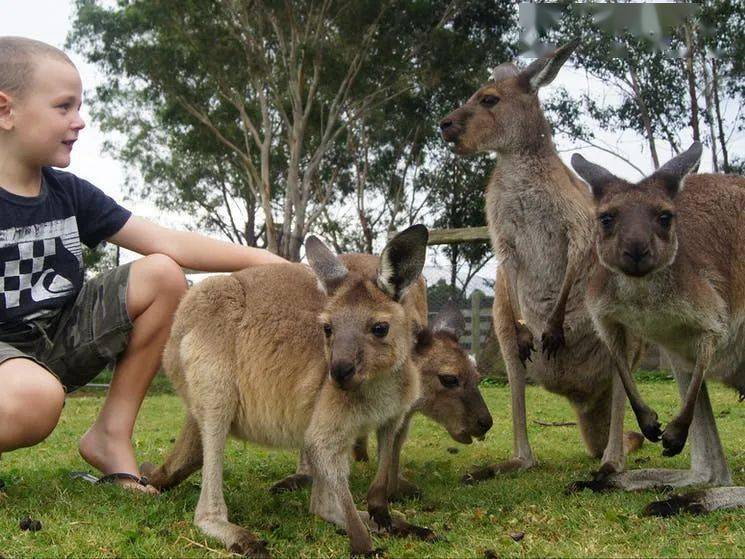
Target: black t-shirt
41,259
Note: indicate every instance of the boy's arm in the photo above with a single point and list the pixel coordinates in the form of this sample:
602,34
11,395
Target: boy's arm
190,250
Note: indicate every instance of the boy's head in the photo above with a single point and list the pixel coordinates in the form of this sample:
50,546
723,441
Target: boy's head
40,97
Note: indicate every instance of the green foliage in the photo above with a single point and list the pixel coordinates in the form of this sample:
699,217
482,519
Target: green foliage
99,259
252,116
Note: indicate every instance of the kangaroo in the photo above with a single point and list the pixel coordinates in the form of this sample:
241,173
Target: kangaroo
296,357
671,255
540,223
450,393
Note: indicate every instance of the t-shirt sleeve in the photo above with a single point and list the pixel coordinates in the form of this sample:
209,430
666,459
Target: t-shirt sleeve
98,215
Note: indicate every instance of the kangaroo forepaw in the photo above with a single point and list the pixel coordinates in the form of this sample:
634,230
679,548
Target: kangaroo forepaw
248,546
674,438
525,345
649,425
403,529
492,470
405,490
381,516
675,505
552,340
291,483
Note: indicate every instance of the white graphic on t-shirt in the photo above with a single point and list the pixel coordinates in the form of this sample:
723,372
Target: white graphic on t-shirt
35,243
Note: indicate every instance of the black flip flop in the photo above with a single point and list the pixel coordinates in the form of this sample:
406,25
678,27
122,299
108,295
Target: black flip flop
110,478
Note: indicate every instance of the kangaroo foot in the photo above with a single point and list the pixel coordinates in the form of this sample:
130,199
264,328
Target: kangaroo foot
598,484
492,470
291,483
676,504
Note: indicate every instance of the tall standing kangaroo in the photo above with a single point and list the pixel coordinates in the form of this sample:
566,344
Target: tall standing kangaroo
286,356
671,269
540,222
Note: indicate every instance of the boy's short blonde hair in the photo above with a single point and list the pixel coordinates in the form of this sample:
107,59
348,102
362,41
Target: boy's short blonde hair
17,62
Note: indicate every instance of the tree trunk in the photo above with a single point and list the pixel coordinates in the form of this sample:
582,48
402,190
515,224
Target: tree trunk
720,124
691,83
709,111
646,120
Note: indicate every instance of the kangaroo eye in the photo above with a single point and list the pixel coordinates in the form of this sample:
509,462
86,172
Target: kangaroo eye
328,330
489,100
380,329
665,219
606,220
448,381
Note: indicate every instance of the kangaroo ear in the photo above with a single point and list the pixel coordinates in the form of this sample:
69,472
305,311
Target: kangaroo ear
450,320
504,71
329,269
674,171
402,260
542,71
596,176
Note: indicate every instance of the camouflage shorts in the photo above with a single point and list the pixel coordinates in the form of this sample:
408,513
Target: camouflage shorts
88,333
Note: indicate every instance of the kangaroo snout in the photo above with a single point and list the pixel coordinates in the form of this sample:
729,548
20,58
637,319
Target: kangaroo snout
342,372
450,129
484,423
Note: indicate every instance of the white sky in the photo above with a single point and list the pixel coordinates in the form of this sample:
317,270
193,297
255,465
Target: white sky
50,21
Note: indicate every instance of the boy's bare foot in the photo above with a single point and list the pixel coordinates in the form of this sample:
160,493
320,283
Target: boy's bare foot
112,456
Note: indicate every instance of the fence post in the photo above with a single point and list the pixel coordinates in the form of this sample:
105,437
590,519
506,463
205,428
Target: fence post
476,322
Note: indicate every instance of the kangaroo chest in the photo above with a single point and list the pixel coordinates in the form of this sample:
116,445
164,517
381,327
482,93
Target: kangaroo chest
651,309
529,236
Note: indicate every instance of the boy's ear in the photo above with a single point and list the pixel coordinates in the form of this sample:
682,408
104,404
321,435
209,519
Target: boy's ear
6,111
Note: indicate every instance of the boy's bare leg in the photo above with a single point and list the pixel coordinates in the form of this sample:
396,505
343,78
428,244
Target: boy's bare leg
31,401
156,285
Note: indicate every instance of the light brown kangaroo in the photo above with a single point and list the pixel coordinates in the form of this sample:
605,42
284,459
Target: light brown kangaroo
290,357
671,252
540,222
450,393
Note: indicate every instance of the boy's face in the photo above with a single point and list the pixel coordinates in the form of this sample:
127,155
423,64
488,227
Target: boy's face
46,119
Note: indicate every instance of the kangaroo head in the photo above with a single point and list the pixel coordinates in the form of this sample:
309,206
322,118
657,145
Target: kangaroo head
450,392
505,115
636,233
368,333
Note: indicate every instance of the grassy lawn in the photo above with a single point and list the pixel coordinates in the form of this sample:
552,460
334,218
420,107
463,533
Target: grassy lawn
81,520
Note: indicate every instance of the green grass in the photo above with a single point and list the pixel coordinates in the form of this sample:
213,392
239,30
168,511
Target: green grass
81,520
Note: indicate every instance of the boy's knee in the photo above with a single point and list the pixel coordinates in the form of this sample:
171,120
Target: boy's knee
33,406
162,271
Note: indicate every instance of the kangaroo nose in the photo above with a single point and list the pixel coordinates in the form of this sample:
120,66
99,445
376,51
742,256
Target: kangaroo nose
485,423
342,371
636,254
445,124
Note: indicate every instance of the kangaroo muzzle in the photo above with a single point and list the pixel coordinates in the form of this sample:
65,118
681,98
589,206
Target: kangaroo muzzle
342,372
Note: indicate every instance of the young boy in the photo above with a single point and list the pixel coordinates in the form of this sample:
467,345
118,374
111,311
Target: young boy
57,332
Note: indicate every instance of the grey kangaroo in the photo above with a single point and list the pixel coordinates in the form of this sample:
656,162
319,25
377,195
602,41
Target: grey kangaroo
671,269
